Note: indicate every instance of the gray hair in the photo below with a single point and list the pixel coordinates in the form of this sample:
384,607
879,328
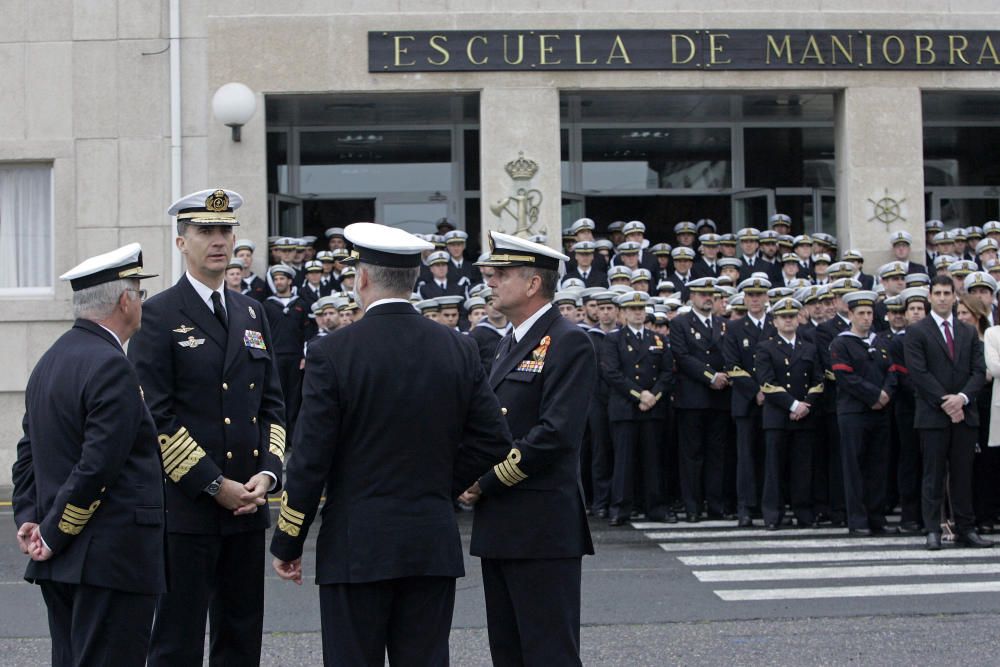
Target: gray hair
550,280
98,302
393,280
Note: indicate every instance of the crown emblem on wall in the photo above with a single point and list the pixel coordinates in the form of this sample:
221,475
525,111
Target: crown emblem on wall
521,169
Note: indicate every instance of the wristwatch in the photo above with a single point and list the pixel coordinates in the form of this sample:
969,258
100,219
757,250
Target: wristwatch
214,486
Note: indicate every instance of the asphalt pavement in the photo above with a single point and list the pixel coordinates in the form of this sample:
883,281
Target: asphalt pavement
679,594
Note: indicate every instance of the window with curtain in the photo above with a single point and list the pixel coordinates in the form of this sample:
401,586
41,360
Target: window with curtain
25,225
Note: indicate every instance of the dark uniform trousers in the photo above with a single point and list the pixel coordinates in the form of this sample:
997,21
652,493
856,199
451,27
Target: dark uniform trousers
828,473
631,365
601,454
288,327
986,467
216,400
88,473
530,527
786,375
946,447
109,627
388,550
381,616
862,370
909,465
702,412
739,347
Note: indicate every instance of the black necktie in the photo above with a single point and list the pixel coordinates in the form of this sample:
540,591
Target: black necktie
505,345
220,311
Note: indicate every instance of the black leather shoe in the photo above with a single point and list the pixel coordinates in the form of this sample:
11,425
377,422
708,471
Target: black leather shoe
771,526
745,522
616,521
910,527
601,513
670,518
859,532
933,541
985,529
972,539
885,529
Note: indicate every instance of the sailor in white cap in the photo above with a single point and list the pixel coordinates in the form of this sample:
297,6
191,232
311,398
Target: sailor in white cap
532,542
220,456
374,413
901,244
583,265
443,282
490,330
254,285
335,238
458,267
88,490
861,364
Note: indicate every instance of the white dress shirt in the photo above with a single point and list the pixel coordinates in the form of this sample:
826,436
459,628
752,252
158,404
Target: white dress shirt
939,321
521,330
205,292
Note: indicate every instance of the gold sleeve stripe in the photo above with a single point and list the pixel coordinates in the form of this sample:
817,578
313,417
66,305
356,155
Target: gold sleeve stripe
830,376
818,389
659,396
503,477
512,471
180,453
710,375
291,517
277,441
74,519
771,389
635,393
287,528
738,372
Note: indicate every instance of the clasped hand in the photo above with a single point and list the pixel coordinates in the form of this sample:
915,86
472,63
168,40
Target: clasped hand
244,498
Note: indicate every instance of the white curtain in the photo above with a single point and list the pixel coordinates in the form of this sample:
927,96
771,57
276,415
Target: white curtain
25,225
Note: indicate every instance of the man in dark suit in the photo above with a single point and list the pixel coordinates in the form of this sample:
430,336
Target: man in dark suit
738,348
530,527
88,488
791,379
584,269
947,367
204,359
637,366
701,401
392,450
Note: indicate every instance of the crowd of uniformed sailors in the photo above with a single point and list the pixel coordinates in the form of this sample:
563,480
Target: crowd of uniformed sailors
748,376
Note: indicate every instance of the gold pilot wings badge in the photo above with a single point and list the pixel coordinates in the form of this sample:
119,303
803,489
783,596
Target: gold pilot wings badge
191,342
183,329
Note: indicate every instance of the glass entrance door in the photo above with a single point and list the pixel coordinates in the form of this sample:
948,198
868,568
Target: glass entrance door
964,206
752,208
415,213
284,216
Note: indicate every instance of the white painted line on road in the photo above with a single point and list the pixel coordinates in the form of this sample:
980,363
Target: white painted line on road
747,595
790,534
859,572
835,557
798,544
659,525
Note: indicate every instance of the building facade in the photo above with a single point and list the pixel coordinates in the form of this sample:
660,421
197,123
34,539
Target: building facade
856,118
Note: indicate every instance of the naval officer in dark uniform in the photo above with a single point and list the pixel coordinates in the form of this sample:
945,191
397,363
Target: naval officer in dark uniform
386,405
530,525
204,358
791,378
88,491
638,368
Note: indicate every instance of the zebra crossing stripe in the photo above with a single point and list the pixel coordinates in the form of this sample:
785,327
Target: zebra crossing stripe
833,557
857,572
789,534
658,525
958,587
854,542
